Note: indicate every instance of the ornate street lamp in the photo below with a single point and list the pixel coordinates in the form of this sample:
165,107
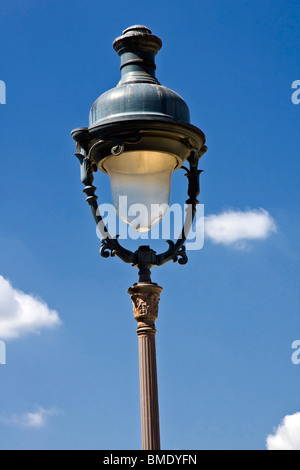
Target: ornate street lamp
139,134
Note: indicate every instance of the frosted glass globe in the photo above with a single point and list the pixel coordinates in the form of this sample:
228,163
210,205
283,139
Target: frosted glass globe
141,183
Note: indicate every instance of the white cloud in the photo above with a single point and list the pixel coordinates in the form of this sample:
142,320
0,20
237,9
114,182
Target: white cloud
237,227
287,435
34,419
21,313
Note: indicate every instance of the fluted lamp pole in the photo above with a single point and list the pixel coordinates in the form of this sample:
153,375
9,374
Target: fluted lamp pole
140,133
145,299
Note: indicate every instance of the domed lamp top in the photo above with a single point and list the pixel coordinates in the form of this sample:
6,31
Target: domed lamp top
138,93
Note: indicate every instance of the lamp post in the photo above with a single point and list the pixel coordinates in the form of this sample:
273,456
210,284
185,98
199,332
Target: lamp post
140,133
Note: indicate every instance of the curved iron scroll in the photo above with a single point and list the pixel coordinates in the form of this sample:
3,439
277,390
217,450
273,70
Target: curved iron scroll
144,257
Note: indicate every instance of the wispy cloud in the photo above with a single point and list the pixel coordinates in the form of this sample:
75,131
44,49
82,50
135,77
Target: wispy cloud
287,435
235,227
22,313
34,419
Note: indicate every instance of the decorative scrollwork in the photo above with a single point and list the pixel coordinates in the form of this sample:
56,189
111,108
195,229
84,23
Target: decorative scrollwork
177,251
181,253
111,247
105,250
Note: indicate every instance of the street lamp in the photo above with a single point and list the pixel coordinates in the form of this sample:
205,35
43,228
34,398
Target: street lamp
140,133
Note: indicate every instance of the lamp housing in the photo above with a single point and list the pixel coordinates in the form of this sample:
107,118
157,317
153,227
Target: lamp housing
139,132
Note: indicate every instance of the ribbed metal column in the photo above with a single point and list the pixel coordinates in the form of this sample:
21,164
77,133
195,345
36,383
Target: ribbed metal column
145,298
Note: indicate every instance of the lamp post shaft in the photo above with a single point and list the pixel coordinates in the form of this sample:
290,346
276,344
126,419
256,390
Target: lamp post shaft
145,298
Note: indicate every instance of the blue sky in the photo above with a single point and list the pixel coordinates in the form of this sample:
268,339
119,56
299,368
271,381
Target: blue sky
228,318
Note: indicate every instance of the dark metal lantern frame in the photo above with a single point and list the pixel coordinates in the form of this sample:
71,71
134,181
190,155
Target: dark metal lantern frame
145,123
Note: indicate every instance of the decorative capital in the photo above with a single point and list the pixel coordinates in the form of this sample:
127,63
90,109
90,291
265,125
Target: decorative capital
145,299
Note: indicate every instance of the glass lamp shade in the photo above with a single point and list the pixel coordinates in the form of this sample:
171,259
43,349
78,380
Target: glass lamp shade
141,183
